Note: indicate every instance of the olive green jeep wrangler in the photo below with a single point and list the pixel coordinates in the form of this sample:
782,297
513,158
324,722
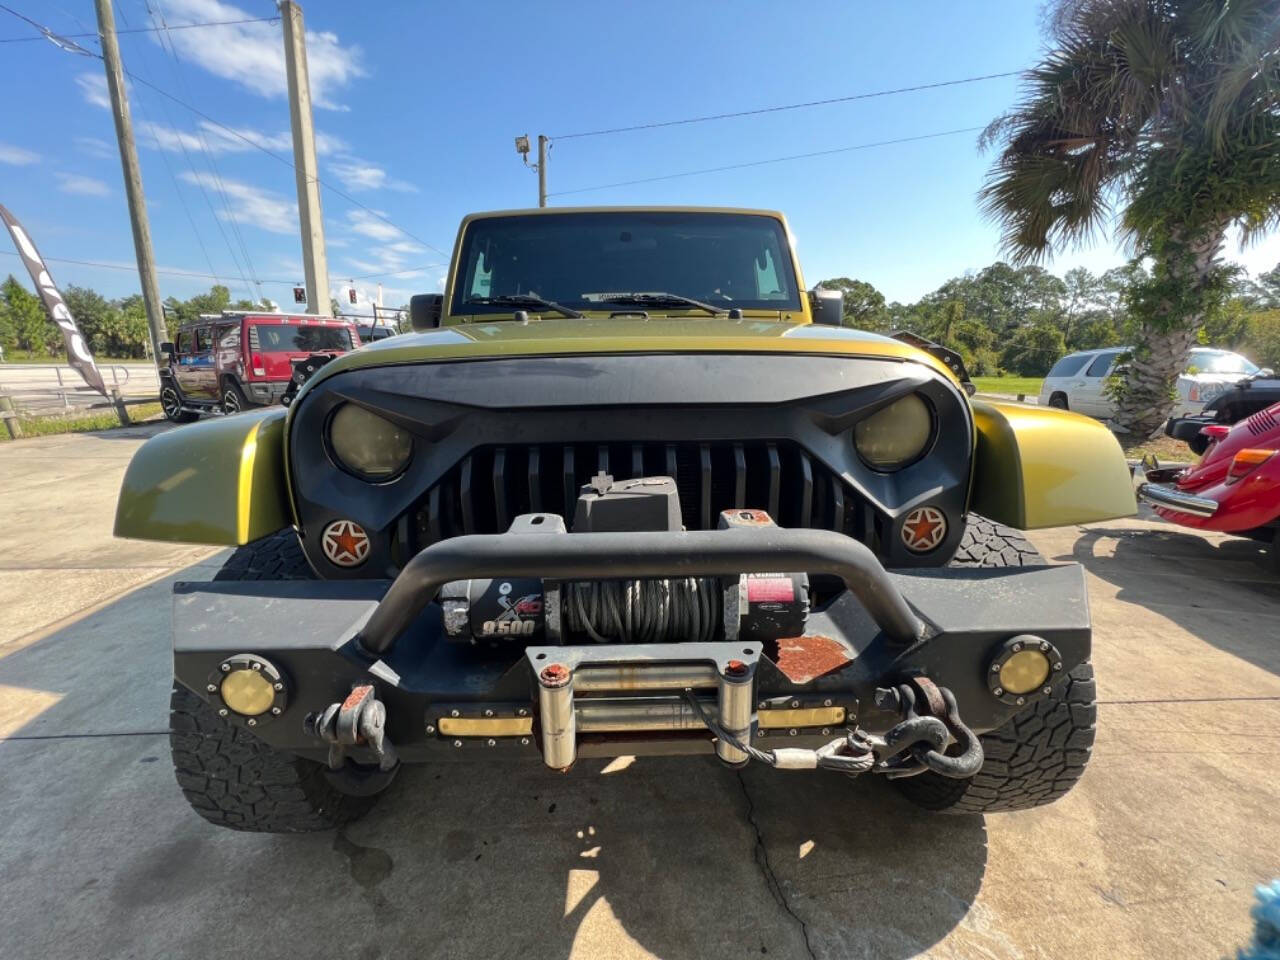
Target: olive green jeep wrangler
629,490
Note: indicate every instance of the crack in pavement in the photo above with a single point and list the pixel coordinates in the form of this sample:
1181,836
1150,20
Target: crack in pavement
766,868
86,736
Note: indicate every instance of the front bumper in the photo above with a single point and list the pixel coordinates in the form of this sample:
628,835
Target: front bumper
446,700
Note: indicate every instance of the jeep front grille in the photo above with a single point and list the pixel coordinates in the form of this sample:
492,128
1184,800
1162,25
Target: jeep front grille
491,486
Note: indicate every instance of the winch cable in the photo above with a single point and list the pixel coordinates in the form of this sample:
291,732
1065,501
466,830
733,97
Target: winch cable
860,760
645,611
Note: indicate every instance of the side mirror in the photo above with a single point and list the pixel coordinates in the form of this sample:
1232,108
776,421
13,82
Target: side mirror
167,349
827,305
425,310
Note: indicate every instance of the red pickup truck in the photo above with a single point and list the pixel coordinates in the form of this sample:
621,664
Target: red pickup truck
228,362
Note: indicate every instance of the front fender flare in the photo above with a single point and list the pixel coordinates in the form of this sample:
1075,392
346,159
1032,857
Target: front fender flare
218,481
1038,467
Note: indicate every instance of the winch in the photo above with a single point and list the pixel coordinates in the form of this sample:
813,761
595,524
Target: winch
507,611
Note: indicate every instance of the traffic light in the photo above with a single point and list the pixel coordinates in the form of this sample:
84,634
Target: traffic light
299,294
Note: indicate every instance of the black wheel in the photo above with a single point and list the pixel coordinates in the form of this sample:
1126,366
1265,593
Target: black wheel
233,779
171,404
1041,752
233,398
1059,401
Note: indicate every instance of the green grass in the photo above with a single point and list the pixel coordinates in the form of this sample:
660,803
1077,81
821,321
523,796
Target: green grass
61,360
84,423
1012,385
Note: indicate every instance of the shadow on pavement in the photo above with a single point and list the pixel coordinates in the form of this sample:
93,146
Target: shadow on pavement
681,858
1210,587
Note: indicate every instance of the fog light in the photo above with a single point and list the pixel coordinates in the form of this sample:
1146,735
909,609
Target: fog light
1025,671
249,686
247,692
1023,668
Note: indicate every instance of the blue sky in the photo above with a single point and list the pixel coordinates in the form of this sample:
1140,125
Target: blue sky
418,105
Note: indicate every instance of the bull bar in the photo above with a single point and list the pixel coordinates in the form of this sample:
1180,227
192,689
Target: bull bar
437,700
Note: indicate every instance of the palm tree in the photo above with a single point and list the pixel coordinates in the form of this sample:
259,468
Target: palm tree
1163,115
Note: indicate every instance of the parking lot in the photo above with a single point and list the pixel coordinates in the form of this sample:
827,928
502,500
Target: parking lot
1155,854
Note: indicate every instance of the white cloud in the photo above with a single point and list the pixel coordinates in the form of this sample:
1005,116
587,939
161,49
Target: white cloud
357,174
252,54
93,87
252,206
16,156
98,149
84,186
217,139
366,224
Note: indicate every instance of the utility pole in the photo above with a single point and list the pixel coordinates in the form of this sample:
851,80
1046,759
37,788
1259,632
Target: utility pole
544,146
315,266
132,178
542,170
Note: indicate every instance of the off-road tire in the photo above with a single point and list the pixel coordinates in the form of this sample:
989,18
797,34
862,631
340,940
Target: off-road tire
229,776
1040,753
278,556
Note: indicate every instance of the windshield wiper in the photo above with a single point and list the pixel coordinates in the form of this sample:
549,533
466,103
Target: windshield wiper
656,298
527,300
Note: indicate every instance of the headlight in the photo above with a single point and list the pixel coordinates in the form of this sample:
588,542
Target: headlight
893,437
368,445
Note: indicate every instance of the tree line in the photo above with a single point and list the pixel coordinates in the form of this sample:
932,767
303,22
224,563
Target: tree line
1020,319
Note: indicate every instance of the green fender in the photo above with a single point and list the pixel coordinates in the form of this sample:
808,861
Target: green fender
1040,467
218,481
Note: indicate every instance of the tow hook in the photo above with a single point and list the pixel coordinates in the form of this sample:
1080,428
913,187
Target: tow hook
359,720
930,722
918,743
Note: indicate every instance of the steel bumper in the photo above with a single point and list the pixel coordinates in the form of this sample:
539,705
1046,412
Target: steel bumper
447,700
1167,495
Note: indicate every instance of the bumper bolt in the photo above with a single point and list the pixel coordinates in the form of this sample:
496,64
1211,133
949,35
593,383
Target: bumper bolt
492,742
826,702
1020,701
1017,647
1047,690
431,728
795,704
1057,666
1044,646
488,713
554,675
275,711
457,743
735,668
826,731
763,705
255,665
995,668
212,688
453,713
998,691
792,732
522,712
277,686
222,712
226,668
524,741
252,722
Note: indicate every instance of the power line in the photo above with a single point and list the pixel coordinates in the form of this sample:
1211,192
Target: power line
235,133
132,268
90,36
789,106
761,163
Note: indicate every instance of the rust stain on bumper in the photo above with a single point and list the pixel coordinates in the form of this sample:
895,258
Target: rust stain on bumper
810,656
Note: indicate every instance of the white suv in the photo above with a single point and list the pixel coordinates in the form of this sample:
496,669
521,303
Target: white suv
1076,381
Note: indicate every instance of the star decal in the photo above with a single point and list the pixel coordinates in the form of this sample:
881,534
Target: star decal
924,529
345,543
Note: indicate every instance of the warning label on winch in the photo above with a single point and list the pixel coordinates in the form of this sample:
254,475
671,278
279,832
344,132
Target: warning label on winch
770,588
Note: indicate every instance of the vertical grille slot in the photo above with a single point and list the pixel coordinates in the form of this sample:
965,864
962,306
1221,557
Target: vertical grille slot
489,487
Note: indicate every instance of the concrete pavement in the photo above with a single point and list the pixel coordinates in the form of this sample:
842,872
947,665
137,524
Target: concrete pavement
1155,854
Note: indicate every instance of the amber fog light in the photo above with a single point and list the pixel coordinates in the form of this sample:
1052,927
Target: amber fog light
250,686
1023,668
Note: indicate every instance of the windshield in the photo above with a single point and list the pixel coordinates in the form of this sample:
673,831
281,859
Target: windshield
301,339
584,260
1215,361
